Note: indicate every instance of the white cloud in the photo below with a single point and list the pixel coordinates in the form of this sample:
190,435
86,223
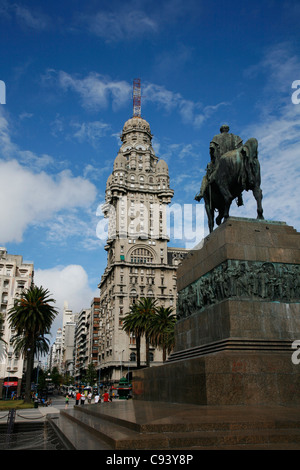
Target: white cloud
279,151
277,130
191,112
95,90
27,197
90,132
66,283
29,19
126,23
32,20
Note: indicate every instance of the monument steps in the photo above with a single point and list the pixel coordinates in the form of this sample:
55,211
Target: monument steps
233,344
103,428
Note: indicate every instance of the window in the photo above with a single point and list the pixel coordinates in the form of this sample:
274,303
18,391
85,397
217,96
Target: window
141,255
132,357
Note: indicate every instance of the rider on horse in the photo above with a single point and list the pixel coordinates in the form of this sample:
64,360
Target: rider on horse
220,144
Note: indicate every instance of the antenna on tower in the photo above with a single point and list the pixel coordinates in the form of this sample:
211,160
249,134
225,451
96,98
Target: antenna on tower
137,97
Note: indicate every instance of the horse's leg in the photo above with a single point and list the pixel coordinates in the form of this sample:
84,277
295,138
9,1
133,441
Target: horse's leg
219,217
257,193
227,197
210,216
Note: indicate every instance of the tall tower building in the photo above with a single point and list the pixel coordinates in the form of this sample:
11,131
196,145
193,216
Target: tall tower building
139,262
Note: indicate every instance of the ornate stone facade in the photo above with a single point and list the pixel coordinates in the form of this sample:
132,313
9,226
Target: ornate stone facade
139,262
246,280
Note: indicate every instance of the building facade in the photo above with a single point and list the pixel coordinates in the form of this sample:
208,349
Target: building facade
15,276
68,337
81,354
139,262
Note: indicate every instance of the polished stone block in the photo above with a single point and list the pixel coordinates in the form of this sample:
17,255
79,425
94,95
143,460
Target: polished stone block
136,424
224,378
235,349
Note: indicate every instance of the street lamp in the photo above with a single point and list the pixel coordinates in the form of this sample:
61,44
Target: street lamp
122,362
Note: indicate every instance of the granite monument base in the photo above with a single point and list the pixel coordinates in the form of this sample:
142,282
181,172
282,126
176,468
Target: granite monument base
238,316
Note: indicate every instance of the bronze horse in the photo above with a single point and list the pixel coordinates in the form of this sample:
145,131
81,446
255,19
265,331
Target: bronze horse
236,171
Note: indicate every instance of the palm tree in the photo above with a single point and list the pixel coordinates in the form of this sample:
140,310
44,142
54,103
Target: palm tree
162,329
137,321
31,317
1,327
146,308
132,324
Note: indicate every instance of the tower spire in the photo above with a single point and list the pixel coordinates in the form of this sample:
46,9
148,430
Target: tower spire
137,97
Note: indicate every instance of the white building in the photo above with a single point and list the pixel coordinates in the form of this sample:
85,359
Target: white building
81,345
56,351
68,337
15,275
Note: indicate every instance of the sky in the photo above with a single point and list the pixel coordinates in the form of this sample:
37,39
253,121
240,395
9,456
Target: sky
66,71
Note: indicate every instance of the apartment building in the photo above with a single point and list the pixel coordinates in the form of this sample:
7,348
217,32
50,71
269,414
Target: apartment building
15,276
68,341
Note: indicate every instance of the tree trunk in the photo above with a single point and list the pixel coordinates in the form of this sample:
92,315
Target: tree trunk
147,351
138,351
164,354
29,368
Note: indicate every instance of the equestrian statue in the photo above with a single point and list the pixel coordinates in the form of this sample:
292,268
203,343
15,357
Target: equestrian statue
234,168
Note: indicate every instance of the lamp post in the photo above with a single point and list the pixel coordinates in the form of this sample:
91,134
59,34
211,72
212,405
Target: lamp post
122,362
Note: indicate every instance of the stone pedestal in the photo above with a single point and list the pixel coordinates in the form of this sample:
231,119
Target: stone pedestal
238,315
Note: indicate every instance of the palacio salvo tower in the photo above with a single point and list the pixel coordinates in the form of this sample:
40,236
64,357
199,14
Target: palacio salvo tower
139,262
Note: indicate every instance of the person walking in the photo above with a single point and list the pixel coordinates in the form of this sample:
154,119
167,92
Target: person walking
106,397
78,396
67,401
97,398
82,398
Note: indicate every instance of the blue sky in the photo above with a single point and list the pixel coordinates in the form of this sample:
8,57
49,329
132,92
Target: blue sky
68,68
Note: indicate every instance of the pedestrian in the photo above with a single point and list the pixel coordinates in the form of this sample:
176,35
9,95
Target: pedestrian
90,397
78,396
82,398
97,398
106,397
67,401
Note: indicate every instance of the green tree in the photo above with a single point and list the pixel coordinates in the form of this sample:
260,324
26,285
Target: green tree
131,324
91,374
161,329
31,317
138,321
146,308
56,378
1,327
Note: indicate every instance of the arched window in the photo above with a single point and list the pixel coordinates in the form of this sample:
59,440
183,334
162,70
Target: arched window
132,357
133,293
141,255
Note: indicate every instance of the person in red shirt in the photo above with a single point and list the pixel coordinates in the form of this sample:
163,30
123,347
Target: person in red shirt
106,397
78,396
